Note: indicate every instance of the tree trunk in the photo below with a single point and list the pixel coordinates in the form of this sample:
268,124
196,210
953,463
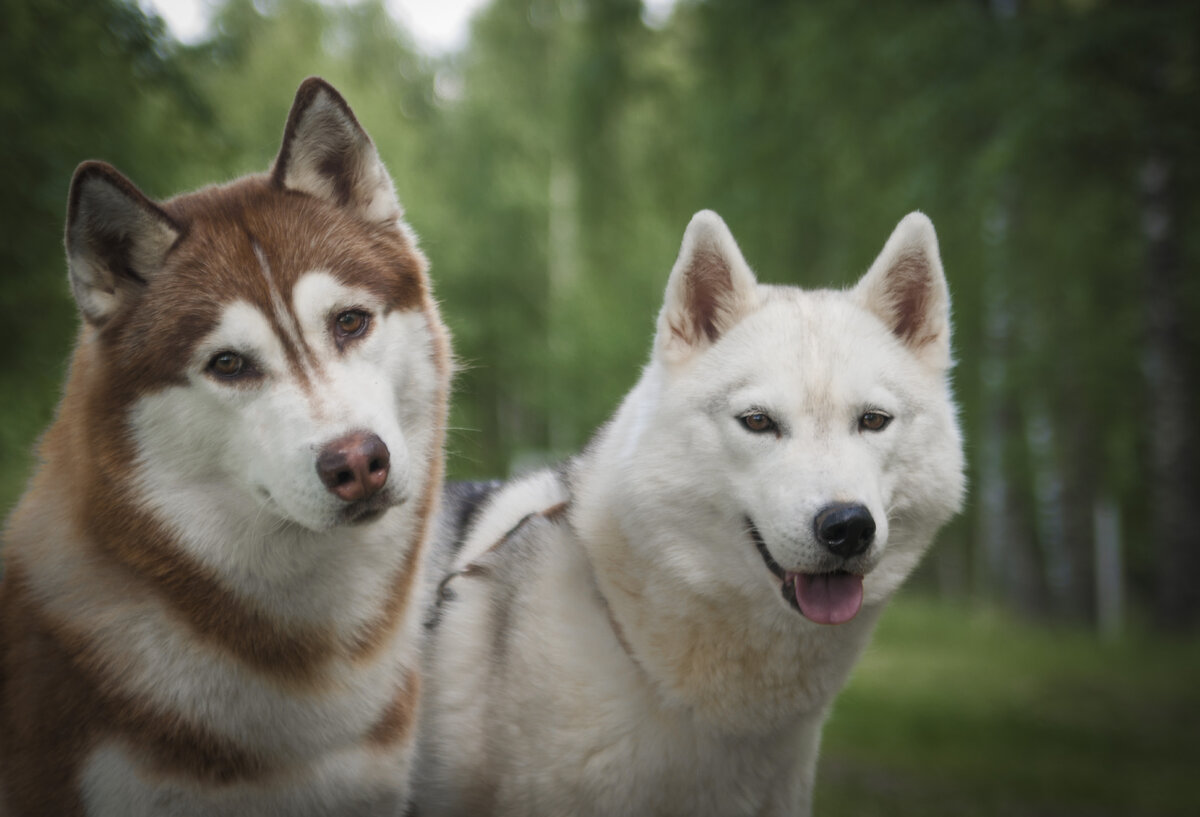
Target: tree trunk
1173,440
1008,564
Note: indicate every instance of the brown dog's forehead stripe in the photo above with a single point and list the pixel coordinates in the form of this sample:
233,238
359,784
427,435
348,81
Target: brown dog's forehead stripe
284,323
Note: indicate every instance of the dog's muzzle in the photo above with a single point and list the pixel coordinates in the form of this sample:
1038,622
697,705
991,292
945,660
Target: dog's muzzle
832,597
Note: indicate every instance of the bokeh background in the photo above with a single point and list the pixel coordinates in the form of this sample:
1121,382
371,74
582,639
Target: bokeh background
1045,659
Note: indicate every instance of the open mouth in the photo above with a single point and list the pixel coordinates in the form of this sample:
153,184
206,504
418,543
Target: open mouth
832,597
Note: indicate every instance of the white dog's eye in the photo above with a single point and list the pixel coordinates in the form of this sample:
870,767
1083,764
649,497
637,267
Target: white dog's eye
874,420
758,422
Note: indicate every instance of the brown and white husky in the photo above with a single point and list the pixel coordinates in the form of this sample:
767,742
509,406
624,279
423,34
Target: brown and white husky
209,599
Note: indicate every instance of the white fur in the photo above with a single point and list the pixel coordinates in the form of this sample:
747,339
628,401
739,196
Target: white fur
638,656
353,783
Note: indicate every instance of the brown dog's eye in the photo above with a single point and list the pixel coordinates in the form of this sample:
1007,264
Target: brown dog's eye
874,421
227,365
758,422
352,323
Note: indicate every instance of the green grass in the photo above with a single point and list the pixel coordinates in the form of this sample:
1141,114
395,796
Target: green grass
962,712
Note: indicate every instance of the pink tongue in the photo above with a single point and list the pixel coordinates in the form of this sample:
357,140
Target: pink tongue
828,598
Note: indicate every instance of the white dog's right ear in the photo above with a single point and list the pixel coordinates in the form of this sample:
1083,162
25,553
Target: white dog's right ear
906,288
327,154
710,289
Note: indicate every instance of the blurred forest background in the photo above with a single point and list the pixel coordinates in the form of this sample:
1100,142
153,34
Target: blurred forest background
550,168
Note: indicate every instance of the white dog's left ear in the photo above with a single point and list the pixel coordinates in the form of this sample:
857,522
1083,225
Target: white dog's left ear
327,154
710,289
906,288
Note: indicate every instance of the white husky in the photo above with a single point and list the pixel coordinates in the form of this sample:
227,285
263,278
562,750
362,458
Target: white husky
649,630
209,604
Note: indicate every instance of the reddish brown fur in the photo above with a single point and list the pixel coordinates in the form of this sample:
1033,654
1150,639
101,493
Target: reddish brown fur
56,705
47,713
397,721
557,513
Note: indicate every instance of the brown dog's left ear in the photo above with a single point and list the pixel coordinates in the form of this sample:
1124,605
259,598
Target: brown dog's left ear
117,240
906,288
327,154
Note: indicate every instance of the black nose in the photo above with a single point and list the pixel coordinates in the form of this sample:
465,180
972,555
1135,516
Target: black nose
846,529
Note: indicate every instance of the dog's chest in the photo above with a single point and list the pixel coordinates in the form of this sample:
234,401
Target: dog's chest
652,763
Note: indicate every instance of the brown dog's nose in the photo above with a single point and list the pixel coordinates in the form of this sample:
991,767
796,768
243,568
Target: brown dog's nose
354,467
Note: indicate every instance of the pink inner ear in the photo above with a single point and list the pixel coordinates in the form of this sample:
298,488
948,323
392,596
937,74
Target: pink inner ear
909,295
708,279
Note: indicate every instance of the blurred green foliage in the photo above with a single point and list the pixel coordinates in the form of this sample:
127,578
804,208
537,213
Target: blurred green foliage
81,79
972,714
550,169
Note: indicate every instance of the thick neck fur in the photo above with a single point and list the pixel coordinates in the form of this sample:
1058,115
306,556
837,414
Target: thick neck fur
726,647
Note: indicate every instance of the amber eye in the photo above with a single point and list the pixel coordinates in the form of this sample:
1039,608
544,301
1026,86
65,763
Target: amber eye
758,422
227,365
874,421
352,323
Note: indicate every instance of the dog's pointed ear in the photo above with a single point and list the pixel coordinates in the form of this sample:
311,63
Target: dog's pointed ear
327,154
906,288
117,240
710,289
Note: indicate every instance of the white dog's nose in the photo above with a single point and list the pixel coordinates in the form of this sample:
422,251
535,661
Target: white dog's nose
844,528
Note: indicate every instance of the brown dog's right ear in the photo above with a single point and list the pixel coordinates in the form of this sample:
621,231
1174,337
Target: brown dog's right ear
116,240
327,154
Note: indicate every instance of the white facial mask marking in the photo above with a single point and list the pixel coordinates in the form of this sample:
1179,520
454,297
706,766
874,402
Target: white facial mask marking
257,442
